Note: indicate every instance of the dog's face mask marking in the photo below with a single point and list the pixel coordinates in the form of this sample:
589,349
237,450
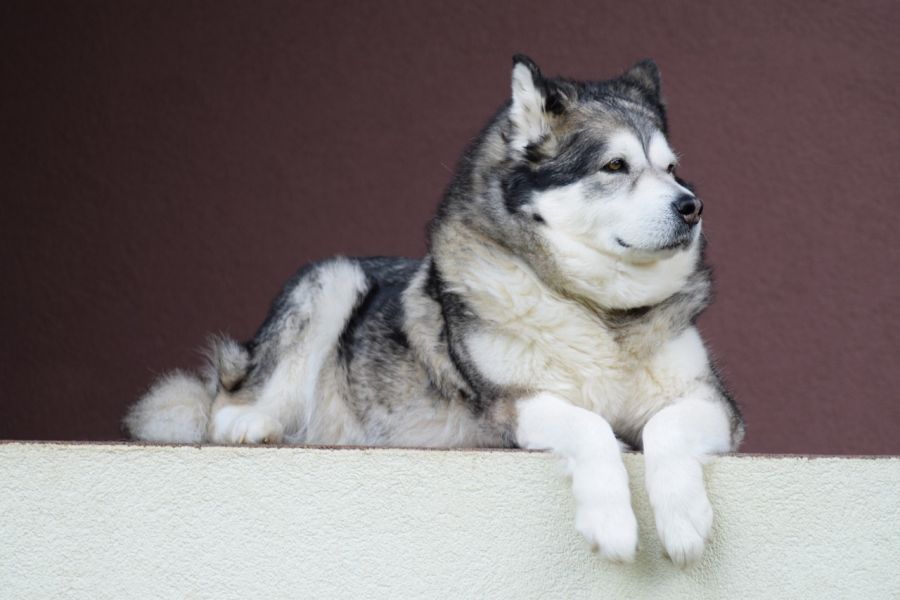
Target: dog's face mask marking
628,206
595,168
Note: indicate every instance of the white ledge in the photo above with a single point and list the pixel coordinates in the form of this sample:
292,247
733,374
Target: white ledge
130,521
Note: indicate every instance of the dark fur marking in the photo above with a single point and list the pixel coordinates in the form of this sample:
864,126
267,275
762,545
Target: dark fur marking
386,278
398,336
454,310
433,283
578,158
533,152
738,425
263,348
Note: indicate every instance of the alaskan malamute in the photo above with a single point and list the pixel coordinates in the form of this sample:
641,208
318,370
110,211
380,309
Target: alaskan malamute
554,310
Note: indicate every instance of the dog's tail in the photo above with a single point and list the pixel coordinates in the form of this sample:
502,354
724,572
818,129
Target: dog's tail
176,409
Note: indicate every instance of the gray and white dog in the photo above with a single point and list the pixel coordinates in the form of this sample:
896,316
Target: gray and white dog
554,310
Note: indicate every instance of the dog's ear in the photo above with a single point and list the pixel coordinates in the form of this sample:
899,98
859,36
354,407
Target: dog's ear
645,75
534,101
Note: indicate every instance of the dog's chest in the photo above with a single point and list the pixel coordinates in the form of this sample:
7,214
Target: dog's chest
562,348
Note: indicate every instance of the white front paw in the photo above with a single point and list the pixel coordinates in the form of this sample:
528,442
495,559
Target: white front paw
684,529
611,530
683,514
237,424
603,513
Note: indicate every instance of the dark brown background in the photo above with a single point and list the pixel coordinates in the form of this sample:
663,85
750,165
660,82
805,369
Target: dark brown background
166,166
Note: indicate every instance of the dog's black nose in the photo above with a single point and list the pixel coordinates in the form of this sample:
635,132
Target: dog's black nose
689,208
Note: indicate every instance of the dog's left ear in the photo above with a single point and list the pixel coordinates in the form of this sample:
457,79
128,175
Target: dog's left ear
645,75
534,101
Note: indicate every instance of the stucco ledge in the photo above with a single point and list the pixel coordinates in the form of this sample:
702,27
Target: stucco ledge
84,520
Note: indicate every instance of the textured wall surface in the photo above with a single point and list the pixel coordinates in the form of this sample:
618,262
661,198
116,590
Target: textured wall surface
164,169
112,521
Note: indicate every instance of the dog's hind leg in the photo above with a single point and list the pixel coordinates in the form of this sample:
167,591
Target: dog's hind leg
233,418
295,344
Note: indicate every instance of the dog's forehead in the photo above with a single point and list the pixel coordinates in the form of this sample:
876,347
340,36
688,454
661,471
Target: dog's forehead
634,144
625,141
624,128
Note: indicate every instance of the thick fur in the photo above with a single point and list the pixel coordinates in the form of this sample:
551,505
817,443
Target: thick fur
554,310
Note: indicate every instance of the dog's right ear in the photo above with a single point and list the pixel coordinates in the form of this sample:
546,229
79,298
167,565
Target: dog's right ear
533,99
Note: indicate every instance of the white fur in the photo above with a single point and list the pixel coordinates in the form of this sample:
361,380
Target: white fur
614,280
174,410
527,110
677,440
244,424
680,364
603,513
660,153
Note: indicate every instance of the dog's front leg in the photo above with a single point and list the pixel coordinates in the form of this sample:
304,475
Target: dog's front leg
599,480
676,441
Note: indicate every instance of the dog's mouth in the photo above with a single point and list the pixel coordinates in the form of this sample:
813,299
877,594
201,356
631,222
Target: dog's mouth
680,241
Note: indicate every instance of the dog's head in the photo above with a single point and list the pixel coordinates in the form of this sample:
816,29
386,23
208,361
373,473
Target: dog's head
586,173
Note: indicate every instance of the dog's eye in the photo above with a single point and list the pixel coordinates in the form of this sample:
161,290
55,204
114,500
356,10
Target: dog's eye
670,169
616,165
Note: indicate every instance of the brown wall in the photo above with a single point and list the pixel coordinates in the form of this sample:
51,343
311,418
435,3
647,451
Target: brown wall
165,166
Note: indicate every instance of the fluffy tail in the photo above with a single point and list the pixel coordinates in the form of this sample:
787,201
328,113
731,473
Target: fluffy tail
177,407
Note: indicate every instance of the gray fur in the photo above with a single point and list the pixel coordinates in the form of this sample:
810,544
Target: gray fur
400,371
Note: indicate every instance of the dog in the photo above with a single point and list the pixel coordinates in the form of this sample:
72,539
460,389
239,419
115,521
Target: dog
554,310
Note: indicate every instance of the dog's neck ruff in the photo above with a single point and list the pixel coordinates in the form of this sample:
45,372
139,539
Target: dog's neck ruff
492,278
